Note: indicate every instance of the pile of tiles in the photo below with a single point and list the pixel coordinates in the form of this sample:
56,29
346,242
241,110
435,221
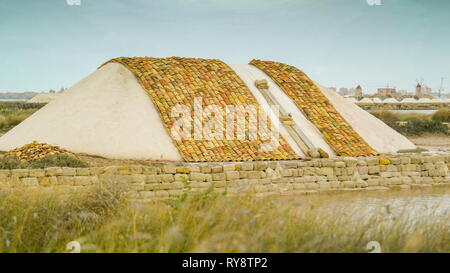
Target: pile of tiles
173,81
341,137
35,150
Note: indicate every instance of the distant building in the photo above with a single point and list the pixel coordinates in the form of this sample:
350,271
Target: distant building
402,92
419,93
387,92
344,92
358,92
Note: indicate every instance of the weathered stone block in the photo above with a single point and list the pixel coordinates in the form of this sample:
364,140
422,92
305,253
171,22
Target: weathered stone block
340,164
161,193
36,173
326,171
170,169
47,181
363,170
373,182
372,161
289,165
416,160
299,186
229,167
349,184
201,184
66,171
82,180
147,194
405,160
138,178
310,179
152,178
20,172
232,175
197,177
219,184
374,169
110,170
428,166
205,169
242,174
207,177
247,167
80,171
122,170
167,178
164,186
181,177
328,163
29,181
324,185
60,180
361,162
362,184
218,176
344,178
136,170
194,168
216,169
5,173
311,186
384,161
183,171
286,172
177,185
175,192
260,166
150,170
152,187
351,162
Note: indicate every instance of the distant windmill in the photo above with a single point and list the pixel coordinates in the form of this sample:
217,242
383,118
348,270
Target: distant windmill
420,82
441,87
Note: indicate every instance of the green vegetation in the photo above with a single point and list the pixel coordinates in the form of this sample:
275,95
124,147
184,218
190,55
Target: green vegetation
413,124
10,117
56,160
102,221
442,115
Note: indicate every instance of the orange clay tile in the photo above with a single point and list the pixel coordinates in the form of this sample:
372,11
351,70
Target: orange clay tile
341,137
172,81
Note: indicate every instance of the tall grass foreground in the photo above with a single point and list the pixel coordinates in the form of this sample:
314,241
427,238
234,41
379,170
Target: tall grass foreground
101,220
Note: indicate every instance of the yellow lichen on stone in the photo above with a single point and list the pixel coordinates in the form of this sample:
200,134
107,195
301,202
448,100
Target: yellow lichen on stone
323,154
183,170
384,161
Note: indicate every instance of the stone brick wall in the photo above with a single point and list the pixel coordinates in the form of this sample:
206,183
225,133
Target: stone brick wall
264,178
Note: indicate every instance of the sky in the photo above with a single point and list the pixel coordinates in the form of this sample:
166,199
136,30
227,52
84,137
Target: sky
49,44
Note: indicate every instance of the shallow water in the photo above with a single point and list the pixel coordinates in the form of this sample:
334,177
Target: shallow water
414,203
427,112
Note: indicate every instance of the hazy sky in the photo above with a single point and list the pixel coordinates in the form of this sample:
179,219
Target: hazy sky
48,44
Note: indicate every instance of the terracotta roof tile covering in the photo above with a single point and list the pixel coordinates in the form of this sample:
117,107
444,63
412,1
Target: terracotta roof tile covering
174,80
36,150
317,108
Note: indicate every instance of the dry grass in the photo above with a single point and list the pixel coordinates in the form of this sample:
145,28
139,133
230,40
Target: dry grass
205,222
